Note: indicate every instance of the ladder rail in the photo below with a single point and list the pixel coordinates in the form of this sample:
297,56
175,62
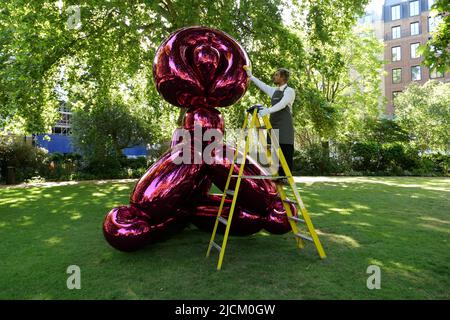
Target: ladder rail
233,203
297,197
224,195
310,225
267,126
289,213
299,237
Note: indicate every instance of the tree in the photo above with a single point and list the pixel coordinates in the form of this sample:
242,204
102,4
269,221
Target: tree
385,131
101,132
424,111
341,87
436,52
114,47
116,41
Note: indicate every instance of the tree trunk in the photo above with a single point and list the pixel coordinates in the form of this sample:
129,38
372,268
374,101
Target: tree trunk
325,155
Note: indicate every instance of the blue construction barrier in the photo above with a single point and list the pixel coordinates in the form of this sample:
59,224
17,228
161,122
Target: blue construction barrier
63,144
137,151
55,143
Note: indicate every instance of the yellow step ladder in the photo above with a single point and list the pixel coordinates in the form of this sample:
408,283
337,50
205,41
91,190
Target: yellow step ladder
305,219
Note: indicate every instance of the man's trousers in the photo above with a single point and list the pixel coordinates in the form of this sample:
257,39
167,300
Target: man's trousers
288,152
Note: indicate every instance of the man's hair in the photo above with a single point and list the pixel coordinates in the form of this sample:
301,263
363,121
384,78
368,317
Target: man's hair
285,73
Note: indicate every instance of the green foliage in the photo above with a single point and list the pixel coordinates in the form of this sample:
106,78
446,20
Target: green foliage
318,110
340,86
135,163
26,160
101,132
366,156
436,52
105,69
114,45
360,97
315,159
116,41
385,131
424,112
63,166
33,164
383,150
436,162
330,20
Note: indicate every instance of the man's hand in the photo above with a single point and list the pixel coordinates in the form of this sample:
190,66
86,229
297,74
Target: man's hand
264,112
248,70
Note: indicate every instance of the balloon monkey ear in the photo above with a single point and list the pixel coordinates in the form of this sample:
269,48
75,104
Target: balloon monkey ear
200,67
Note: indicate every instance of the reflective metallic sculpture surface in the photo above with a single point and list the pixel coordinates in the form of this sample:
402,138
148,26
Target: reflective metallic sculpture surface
200,69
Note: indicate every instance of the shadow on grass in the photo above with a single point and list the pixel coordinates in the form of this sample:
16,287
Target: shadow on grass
404,230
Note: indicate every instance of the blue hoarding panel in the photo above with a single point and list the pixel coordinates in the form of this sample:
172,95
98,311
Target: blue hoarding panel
136,151
63,144
56,143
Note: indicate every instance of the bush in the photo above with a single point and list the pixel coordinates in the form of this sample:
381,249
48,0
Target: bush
63,166
134,163
353,173
369,158
365,156
391,156
157,150
315,160
102,168
83,176
437,163
135,173
27,160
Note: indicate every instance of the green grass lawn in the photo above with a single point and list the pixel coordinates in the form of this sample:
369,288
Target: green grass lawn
399,224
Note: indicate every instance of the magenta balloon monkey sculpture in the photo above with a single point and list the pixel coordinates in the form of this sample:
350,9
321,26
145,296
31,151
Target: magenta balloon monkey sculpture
200,69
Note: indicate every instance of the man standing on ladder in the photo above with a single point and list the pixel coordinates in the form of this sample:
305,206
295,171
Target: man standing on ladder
282,99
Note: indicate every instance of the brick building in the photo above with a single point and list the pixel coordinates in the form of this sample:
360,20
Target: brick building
407,24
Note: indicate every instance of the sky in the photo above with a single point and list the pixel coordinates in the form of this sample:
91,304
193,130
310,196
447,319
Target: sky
375,4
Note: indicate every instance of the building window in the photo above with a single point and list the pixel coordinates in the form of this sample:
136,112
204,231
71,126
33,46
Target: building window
414,28
436,74
396,75
394,96
415,73
433,22
414,47
395,12
396,53
63,125
414,8
396,32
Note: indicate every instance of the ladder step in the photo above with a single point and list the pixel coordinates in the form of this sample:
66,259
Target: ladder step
261,127
230,192
297,219
304,237
216,246
260,177
290,201
223,220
